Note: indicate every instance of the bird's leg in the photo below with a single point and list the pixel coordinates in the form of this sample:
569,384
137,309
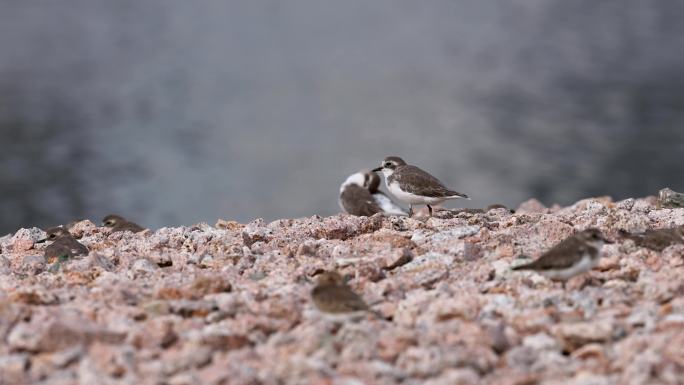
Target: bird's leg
429,209
410,210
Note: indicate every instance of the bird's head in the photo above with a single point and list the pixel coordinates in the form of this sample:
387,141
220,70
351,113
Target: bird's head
330,278
55,233
371,182
112,220
593,237
389,165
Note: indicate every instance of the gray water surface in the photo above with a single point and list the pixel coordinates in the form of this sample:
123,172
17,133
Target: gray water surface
175,112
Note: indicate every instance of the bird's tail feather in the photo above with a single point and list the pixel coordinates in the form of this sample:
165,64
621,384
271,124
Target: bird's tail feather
456,194
524,266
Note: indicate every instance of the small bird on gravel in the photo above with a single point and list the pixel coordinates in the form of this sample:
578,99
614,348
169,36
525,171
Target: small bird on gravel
332,295
117,223
574,255
414,186
355,199
63,245
657,239
387,205
359,195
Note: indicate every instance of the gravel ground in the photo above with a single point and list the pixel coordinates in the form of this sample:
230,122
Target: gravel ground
230,304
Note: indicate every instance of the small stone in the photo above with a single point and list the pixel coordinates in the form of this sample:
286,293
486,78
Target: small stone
462,307
14,368
5,265
308,248
472,251
66,357
34,296
625,204
24,239
157,308
669,199
531,206
143,266
541,341
33,264
397,258
161,259
575,335
228,225
457,233
82,228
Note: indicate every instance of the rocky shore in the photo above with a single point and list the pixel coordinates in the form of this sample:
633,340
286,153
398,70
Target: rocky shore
230,303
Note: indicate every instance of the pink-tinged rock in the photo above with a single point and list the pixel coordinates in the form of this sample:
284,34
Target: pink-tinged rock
24,239
415,304
674,349
5,265
425,362
232,305
643,206
673,256
105,363
465,306
625,204
82,229
33,264
392,342
190,357
462,376
49,335
14,368
531,206
34,296
533,321
397,258
158,332
575,335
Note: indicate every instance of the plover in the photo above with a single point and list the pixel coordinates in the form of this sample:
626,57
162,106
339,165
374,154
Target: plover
332,295
658,239
574,255
117,223
385,203
359,195
414,186
355,199
63,245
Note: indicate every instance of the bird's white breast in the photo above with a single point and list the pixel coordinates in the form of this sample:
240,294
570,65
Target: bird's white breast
411,198
387,205
585,264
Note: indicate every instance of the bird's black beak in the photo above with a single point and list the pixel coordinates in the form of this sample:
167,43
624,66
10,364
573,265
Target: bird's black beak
41,240
377,169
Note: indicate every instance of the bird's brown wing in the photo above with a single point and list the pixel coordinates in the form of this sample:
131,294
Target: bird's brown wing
128,226
337,299
77,248
421,183
57,250
561,256
358,201
657,239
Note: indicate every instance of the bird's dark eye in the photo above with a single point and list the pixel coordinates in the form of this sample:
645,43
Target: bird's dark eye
52,236
388,164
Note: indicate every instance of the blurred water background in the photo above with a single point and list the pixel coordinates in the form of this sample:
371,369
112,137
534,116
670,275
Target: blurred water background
173,112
